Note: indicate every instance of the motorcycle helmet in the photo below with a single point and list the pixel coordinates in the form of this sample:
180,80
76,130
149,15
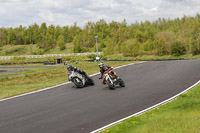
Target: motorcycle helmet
101,65
69,67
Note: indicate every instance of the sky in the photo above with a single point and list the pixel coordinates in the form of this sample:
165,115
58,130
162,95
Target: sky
67,12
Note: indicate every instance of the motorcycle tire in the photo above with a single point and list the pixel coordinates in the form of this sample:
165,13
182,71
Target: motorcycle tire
111,86
121,83
78,84
91,81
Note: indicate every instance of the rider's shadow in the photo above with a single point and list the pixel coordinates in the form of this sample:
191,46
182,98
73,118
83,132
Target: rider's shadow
116,88
74,87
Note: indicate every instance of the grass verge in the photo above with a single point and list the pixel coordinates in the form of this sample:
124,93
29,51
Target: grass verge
38,78
152,57
179,116
23,60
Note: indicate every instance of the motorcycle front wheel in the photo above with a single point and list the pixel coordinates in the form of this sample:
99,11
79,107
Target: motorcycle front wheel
91,81
78,82
121,83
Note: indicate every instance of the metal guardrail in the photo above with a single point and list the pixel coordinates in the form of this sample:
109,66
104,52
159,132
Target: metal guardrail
49,55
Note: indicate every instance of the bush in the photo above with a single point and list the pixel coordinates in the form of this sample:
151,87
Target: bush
83,50
131,48
178,49
164,41
92,56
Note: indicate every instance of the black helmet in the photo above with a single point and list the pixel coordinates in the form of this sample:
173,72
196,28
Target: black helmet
69,67
101,65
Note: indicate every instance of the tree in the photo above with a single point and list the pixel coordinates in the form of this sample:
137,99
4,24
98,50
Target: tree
10,36
61,42
178,49
131,48
76,43
41,41
164,41
2,37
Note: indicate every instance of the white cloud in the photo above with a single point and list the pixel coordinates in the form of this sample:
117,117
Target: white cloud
66,12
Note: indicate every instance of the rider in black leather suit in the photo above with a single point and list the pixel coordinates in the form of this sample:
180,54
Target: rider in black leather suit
76,69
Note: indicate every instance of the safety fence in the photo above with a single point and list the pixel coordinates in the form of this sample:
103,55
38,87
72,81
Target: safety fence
50,55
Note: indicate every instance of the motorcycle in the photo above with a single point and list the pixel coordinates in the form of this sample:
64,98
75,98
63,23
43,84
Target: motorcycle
112,81
79,80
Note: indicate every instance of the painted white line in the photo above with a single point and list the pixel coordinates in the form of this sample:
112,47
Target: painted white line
57,85
145,110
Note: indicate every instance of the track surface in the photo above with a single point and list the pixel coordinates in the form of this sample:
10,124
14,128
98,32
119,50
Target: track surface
66,109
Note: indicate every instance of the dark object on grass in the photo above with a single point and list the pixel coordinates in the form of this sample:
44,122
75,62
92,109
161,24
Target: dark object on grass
58,60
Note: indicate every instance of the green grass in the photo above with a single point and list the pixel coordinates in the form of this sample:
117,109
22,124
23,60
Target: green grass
56,50
150,57
38,78
14,50
82,58
179,116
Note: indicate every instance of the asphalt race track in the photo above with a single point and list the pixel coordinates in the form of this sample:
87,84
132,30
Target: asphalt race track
66,109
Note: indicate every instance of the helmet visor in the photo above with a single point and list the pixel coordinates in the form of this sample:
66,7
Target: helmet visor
101,66
69,68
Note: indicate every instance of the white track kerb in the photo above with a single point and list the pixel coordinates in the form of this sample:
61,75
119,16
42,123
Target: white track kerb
145,110
57,85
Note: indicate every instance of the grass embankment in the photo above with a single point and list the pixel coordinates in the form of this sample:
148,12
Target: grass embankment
38,78
33,49
17,50
179,116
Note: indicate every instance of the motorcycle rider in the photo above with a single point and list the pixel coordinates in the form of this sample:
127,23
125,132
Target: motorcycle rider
76,69
106,68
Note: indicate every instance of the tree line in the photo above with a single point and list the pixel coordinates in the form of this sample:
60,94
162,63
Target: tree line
161,37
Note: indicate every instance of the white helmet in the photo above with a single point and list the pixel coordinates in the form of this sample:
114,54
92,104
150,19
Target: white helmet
101,65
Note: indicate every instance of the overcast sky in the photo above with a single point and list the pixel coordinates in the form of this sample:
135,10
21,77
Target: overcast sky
66,12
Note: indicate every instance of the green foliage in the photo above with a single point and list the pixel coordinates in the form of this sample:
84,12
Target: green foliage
110,47
92,56
161,37
61,42
164,41
131,48
83,50
178,49
76,43
38,52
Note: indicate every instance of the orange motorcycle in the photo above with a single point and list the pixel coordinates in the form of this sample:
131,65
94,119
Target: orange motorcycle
112,80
